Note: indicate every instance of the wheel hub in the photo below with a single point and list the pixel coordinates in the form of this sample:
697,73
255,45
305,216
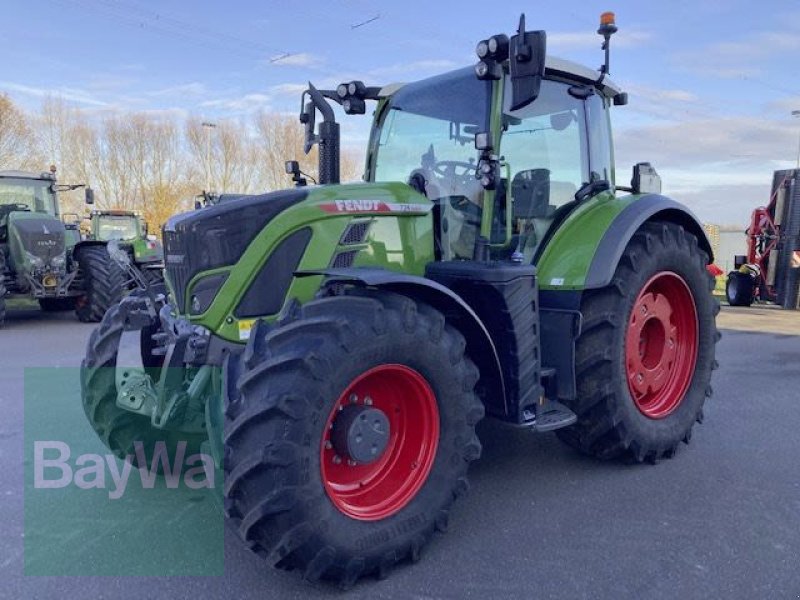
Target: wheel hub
360,433
661,345
379,442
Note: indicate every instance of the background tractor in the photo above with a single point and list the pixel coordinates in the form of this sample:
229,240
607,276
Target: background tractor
770,272
334,346
130,231
44,259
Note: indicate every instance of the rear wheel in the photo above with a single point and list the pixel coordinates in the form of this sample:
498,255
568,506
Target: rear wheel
646,351
102,283
350,436
739,289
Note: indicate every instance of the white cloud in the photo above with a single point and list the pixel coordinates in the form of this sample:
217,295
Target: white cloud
69,94
576,40
245,103
195,88
415,69
301,59
288,89
741,58
735,141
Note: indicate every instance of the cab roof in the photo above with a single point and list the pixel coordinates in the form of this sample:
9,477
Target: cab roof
28,175
554,67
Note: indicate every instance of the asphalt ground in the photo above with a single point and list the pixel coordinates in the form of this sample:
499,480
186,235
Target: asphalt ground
720,520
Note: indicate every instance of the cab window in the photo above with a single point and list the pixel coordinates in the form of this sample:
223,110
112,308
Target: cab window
546,150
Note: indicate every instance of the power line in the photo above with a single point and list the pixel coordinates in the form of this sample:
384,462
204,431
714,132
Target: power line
367,22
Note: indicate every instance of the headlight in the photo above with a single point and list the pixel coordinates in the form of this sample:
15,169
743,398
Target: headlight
36,262
58,262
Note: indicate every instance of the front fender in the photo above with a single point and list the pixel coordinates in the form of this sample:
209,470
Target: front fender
585,250
480,347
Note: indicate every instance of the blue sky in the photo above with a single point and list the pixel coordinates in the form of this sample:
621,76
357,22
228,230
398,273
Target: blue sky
712,83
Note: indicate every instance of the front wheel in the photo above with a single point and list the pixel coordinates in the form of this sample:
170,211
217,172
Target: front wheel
350,436
102,282
646,350
119,429
3,290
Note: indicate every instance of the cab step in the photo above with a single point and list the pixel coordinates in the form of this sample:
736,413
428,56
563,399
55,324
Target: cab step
552,415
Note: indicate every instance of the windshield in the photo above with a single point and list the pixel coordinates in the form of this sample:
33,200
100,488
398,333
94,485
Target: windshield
117,228
33,193
428,132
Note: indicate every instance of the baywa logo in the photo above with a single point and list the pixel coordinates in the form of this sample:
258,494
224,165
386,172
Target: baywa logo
53,468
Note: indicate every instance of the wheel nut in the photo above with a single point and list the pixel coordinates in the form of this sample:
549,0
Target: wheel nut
351,462
368,401
353,399
328,445
337,460
639,378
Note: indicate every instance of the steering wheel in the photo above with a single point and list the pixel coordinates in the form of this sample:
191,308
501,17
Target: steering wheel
449,169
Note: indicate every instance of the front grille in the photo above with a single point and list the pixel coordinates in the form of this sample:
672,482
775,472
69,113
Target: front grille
217,236
344,259
355,233
177,267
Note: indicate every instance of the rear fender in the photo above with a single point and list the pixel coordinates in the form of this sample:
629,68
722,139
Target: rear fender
457,312
585,250
648,208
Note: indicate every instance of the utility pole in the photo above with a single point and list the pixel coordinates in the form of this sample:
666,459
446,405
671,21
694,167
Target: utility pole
796,113
208,127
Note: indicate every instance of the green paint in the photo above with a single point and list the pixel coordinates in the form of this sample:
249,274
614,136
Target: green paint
567,257
397,241
496,130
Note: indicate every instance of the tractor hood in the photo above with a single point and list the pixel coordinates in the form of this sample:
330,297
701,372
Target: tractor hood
35,240
217,235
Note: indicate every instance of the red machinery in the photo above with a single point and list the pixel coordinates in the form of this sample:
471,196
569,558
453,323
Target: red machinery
771,269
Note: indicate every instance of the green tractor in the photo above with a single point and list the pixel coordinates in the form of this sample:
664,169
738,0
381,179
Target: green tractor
334,346
43,258
129,229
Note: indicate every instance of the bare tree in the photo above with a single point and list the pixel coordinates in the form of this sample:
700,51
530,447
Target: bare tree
17,144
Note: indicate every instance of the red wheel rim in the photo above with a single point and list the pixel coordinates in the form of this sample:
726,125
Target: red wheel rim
661,345
381,488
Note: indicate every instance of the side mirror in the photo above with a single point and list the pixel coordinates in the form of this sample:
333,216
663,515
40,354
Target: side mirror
645,179
307,118
89,195
527,54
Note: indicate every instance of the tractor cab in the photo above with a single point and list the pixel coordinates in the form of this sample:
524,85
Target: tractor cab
547,151
117,225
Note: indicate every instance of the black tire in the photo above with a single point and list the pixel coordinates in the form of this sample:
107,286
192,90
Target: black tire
739,289
102,282
610,425
3,290
292,378
118,428
56,304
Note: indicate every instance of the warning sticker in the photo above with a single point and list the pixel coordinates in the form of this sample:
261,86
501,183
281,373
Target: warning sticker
245,326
